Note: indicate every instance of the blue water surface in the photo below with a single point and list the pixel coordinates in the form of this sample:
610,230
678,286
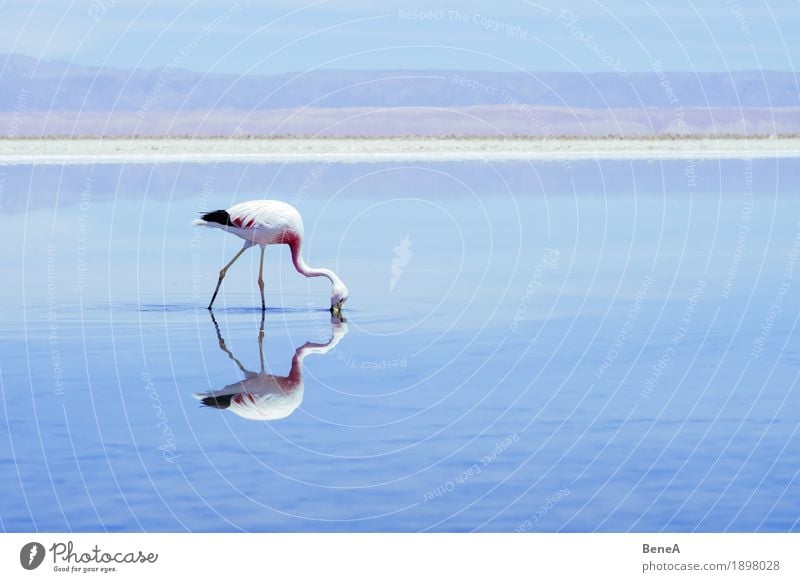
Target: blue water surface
559,346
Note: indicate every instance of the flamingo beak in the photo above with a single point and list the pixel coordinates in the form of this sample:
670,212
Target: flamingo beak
336,309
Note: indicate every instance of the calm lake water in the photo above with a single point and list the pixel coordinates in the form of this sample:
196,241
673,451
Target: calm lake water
528,347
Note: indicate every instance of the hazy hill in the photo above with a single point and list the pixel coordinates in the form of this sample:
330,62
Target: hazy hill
43,97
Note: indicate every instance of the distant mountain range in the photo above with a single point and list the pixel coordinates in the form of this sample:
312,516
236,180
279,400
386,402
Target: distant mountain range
57,98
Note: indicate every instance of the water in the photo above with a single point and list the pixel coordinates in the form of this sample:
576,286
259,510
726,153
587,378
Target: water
545,347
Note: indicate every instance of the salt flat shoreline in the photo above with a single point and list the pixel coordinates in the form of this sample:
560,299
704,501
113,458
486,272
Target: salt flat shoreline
290,150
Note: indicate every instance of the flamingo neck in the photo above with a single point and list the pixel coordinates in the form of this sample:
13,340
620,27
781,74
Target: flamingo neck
295,244
295,376
338,331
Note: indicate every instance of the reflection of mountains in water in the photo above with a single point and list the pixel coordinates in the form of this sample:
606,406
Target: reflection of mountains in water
28,186
262,396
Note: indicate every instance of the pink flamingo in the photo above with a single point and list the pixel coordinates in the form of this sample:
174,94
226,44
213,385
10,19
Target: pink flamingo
262,396
270,222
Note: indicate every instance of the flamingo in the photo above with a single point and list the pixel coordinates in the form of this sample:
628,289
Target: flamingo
262,396
270,222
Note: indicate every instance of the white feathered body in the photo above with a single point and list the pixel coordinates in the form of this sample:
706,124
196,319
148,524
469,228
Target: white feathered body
261,396
262,222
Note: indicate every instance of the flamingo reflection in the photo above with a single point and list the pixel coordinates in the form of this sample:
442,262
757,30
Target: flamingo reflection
262,396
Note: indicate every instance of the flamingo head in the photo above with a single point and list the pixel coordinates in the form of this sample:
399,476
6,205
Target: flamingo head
339,295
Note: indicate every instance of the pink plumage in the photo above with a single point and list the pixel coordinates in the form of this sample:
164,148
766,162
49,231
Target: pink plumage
270,222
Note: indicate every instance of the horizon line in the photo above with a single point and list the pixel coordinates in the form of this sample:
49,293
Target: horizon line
8,56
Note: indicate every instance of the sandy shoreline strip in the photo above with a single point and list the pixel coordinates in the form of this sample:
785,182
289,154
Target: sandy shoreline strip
288,150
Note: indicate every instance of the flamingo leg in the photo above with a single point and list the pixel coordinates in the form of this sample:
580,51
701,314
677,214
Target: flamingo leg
224,347
261,342
225,270
261,279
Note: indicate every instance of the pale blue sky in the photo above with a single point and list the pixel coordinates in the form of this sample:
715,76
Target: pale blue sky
281,35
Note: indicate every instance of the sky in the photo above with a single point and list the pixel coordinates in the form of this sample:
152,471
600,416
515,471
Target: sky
285,36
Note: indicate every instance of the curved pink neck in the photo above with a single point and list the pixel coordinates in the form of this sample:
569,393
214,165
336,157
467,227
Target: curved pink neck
294,242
